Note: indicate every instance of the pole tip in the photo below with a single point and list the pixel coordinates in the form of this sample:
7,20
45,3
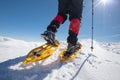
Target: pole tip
91,48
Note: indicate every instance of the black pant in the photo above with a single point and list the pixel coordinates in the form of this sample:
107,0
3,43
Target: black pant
71,7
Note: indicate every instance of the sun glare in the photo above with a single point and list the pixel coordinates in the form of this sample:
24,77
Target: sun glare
104,1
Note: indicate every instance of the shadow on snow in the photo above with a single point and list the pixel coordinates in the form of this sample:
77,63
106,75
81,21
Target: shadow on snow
37,72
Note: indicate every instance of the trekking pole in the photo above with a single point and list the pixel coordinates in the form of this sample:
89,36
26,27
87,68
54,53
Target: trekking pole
92,25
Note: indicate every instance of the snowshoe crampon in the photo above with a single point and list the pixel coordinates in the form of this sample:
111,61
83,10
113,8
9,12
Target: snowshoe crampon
63,58
41,53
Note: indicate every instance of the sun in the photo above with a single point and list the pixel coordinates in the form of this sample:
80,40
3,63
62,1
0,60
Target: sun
104,1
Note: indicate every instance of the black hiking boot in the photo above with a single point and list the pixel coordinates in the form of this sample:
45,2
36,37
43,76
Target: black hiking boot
71,49
49,36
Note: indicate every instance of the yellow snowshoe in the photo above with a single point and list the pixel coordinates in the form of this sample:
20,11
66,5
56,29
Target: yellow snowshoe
41,53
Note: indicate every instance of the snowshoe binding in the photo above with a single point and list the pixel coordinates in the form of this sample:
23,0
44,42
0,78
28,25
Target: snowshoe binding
71,49
70,53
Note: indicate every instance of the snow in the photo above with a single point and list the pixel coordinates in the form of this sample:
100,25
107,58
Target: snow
101,64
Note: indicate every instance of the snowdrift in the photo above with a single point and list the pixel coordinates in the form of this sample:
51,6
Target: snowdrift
101,64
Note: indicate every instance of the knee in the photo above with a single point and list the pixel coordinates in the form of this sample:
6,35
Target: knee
75,17
64,16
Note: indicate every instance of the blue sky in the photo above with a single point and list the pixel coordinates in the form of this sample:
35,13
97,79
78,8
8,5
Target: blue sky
27,19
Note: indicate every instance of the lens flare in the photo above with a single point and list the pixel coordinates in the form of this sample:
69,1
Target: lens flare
104,1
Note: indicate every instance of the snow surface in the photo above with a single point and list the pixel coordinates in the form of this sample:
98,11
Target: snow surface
101,64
